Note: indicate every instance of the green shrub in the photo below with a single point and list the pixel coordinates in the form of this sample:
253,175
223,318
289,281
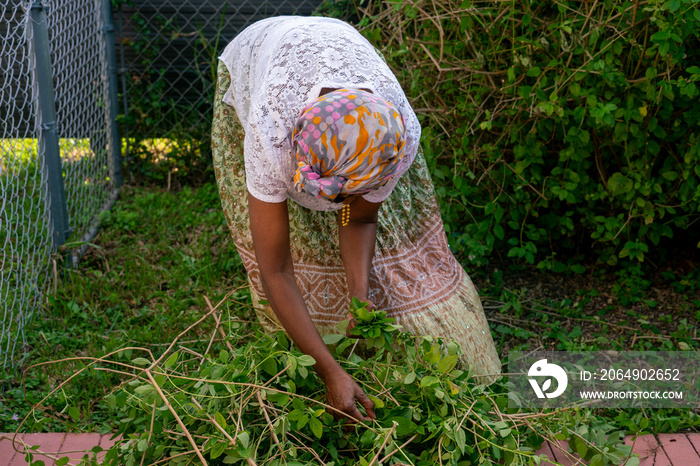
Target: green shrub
553,129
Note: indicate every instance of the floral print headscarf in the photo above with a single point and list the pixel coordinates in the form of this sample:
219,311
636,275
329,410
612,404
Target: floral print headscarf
347,141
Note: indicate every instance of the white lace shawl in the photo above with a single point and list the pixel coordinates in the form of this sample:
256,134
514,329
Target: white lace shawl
279,65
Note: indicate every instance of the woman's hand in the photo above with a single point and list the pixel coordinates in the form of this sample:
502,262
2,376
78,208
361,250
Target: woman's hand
343,393
370,307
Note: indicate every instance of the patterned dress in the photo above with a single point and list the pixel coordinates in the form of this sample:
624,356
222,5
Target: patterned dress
414,276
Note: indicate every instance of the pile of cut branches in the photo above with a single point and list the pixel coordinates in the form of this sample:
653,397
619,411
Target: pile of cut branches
252,398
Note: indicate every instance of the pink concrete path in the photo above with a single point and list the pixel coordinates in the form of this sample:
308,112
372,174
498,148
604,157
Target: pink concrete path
653,450
54,446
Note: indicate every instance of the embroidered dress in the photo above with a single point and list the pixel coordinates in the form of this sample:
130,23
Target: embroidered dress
266,77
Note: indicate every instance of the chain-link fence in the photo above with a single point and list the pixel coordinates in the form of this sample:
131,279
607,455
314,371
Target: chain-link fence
59,148
168,50
59,143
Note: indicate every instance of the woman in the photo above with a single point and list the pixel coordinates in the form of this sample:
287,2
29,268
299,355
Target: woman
306,110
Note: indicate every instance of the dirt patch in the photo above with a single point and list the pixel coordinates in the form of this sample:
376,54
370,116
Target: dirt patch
654,310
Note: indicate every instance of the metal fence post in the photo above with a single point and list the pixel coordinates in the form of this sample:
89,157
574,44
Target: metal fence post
46,122
110,52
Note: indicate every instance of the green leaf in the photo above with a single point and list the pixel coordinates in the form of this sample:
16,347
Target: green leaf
171,361
597,460
316,427
111,402
218,449
452,348
428,381
332,338
269,365
306,360
403,426
670,175
534,72
158,452
521,165
500,425
619,184
378,404
142,445
447,363
220,419
141,361
634,461
410,378
244,438
581,449
303,420
61,461
461,440
433,356
74,413
282,340
144,389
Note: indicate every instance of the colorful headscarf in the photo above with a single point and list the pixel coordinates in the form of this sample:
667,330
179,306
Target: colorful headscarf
347,141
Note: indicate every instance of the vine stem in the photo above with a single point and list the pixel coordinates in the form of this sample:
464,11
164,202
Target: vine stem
150,431
177,418
400,449
386,439
269,422
202,319
218,325
262,387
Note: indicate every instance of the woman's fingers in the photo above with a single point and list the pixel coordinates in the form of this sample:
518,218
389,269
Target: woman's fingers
350,412
351,325
343,394
367,403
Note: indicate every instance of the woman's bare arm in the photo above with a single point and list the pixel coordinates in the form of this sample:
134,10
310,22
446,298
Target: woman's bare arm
269,226
357,240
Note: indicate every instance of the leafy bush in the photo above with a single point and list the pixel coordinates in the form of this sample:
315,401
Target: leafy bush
260,403
553,129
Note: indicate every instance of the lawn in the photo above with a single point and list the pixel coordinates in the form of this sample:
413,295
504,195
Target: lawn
161,254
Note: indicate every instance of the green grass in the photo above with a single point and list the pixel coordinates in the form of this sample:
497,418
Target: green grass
20,153
160,253
157,256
